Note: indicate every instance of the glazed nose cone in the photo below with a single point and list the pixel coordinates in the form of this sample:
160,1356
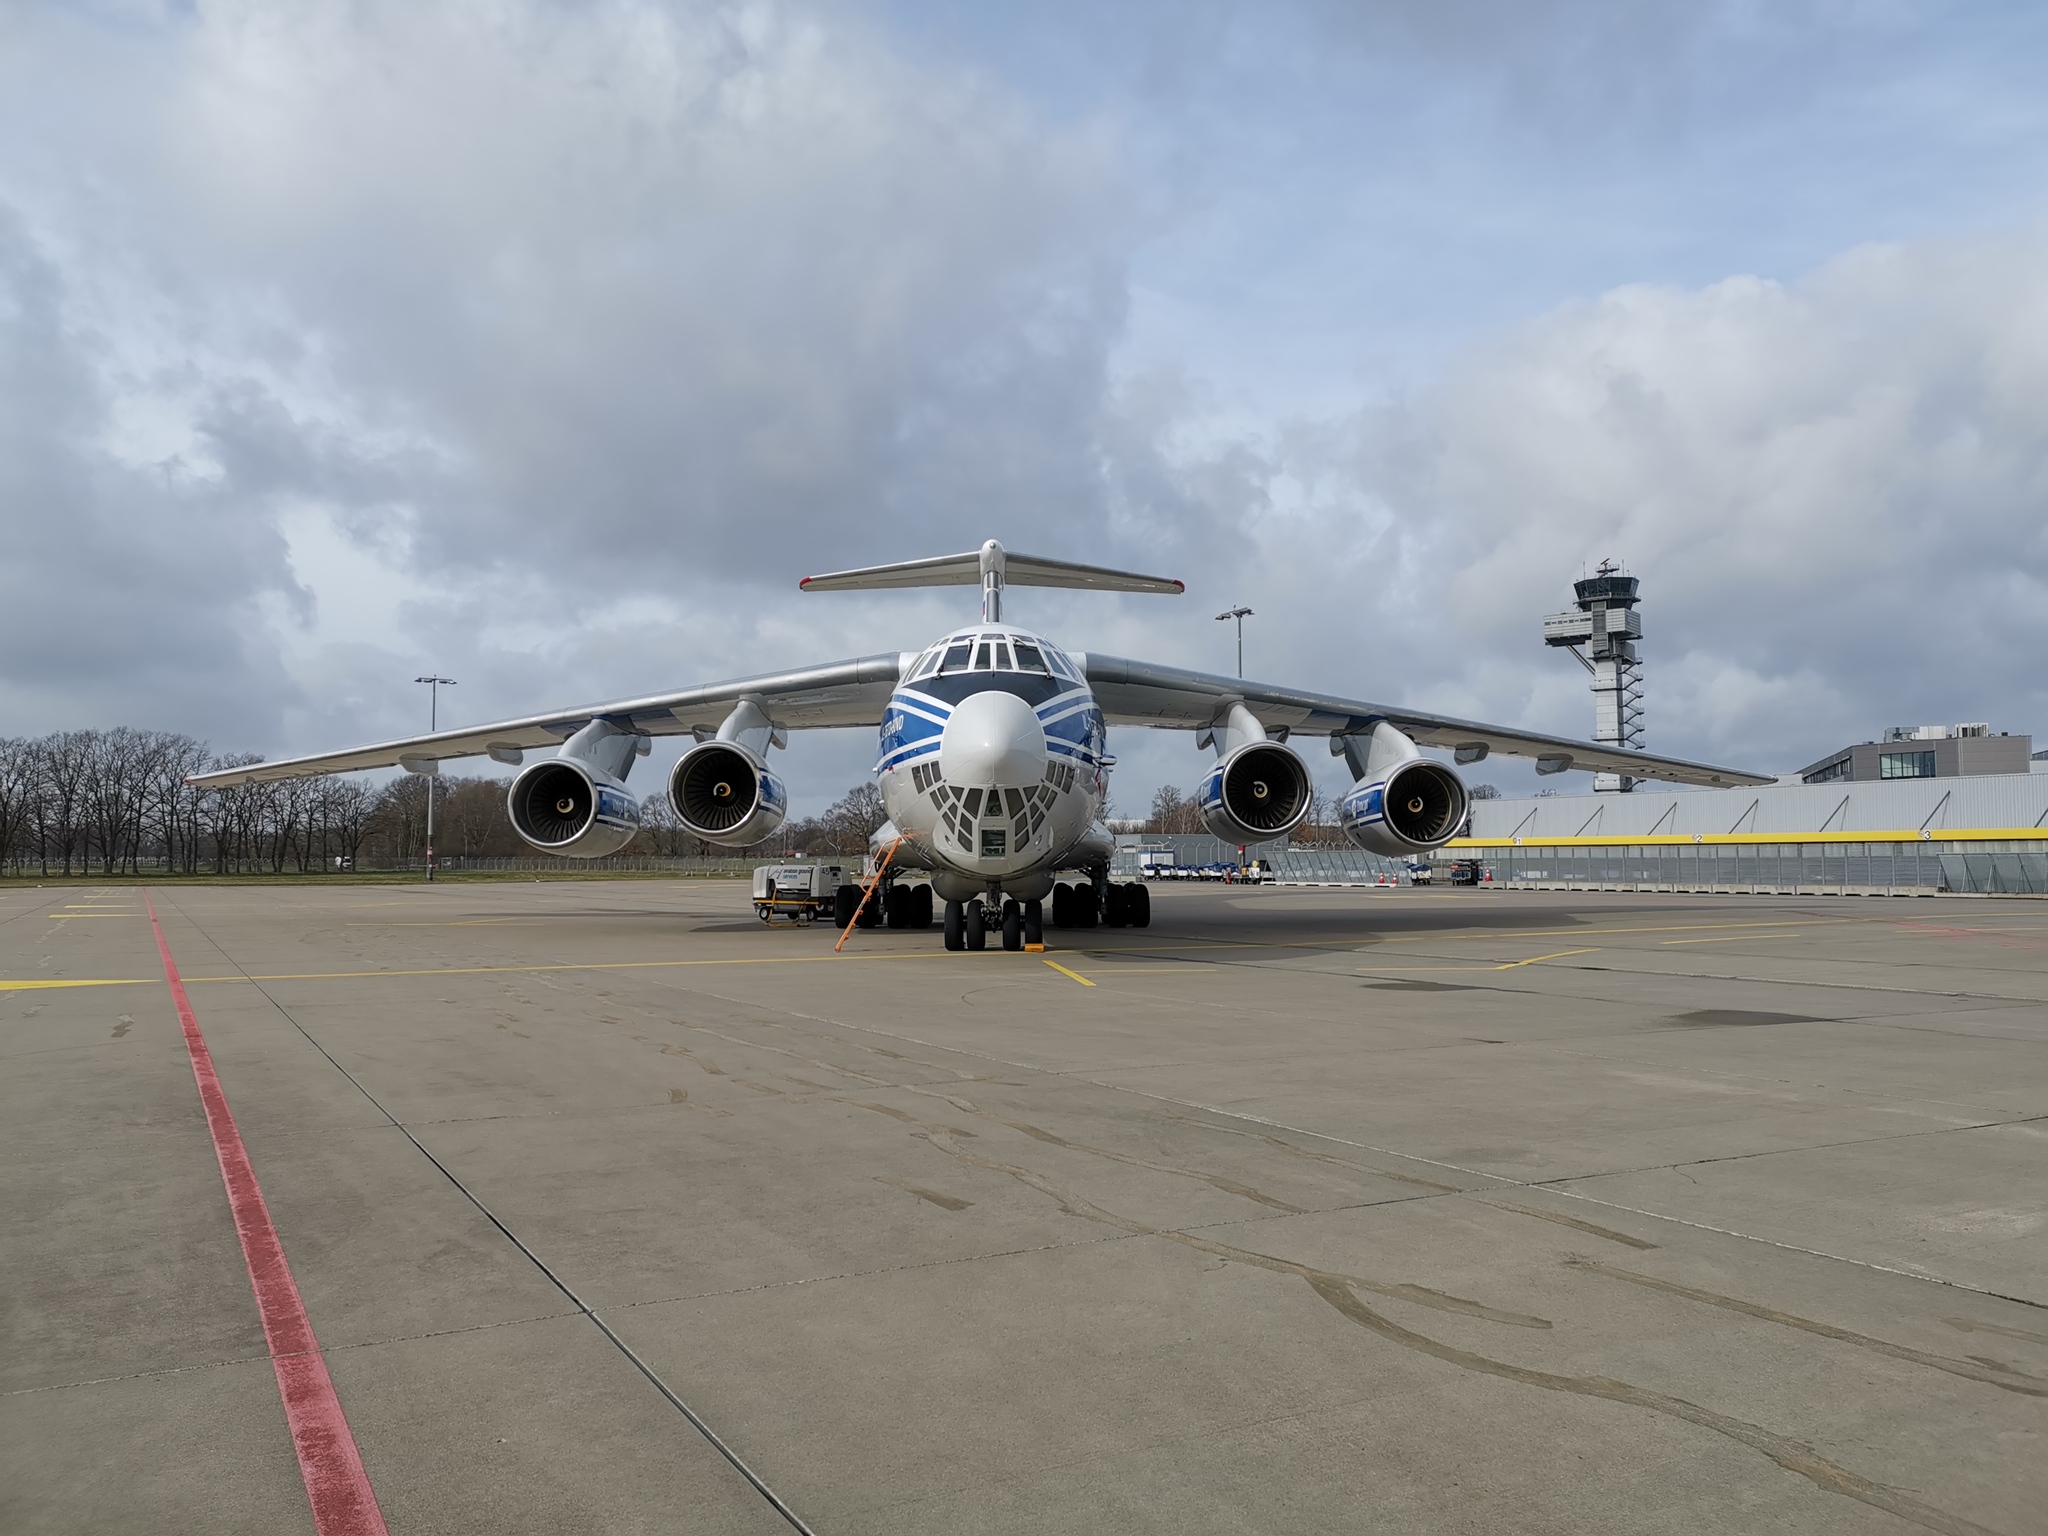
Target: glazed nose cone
992,738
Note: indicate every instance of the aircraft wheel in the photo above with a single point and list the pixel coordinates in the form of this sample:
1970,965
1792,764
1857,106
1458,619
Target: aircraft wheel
1082,907
1137,906
977,931
921,912
844,902
1062,906
1034,922
897,904
1113,906
1013,926
956,926
870,912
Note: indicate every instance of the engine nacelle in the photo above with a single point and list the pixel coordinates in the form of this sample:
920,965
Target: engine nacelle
1416,807
724,794
565,806
1257,792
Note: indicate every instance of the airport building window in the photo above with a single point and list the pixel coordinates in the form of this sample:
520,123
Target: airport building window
1905,765
1838,769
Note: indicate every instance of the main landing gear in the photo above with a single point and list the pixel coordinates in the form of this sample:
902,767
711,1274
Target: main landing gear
1117,906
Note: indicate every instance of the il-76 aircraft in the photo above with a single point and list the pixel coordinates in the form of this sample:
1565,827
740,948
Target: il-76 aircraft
992,762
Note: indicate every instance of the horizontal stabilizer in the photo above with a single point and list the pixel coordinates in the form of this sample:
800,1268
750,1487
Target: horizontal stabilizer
970,569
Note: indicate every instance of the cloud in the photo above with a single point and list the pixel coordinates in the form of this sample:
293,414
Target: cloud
546,346
1832,491
595,326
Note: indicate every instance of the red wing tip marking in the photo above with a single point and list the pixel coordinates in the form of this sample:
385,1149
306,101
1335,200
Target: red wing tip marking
1180,586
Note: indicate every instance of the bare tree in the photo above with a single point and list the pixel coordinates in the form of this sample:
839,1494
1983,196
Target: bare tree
18,784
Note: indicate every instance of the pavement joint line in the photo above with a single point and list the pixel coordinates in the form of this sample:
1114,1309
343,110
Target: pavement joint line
732,1457
888,1269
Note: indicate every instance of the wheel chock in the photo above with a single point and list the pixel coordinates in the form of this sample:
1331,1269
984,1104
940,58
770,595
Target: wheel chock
1034,949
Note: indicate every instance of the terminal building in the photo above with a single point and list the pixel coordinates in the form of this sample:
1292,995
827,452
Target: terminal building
1924,752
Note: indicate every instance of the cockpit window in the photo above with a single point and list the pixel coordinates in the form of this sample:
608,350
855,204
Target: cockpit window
981,657
927,664
1028,659
1003,656
956,656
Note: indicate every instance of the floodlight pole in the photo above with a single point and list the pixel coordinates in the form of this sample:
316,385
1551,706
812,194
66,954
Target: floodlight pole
435,682
1239,614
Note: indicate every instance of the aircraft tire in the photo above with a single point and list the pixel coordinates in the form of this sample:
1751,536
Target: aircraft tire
1013,926
921,912
1062,906
976,930
870,912
897,906
845,901
1113,907
1034,922
1137,906
1082,908
956,926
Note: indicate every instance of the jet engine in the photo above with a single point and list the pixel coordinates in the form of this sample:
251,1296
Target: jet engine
724,794
1254,793
565,806
1415,807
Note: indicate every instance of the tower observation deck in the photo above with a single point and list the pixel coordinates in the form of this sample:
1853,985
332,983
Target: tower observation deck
1602,632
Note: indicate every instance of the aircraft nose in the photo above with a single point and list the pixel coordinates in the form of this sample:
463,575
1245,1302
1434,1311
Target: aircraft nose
992,738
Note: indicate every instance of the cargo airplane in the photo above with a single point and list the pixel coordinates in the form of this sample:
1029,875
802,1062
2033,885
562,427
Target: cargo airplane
993,762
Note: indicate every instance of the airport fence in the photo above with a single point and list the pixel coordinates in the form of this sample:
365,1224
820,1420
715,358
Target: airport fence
617,864
2015,867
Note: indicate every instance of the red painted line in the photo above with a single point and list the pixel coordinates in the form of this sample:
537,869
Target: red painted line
336,1485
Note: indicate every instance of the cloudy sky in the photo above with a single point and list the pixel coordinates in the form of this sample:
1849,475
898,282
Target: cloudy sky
548,344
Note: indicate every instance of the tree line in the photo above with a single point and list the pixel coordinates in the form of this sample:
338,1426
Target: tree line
116,802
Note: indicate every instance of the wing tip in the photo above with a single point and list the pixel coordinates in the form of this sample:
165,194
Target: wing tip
1179,587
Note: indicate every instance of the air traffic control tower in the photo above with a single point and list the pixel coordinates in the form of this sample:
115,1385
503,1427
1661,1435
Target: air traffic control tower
1607,626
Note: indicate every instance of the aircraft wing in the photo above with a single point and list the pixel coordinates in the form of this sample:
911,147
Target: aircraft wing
852,692
1145,693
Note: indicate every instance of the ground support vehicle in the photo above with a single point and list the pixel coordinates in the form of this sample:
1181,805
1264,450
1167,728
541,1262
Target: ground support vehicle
802,893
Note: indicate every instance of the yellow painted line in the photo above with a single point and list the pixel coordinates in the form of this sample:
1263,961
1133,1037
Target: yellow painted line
1739,938
1189,967
1076,975
95,914
42,986
1335,945
608,965
1538,959
467,922
1760,839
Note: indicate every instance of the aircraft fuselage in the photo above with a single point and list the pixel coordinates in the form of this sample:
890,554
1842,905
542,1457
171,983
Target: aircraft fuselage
991,765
